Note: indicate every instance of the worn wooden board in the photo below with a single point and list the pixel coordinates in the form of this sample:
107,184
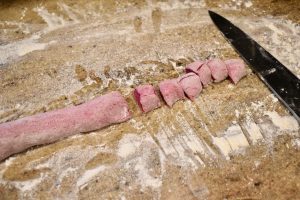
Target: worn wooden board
83,51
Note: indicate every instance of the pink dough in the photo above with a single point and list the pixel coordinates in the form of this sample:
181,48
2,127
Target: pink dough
171,91
236,69
44,128
194,66
205,75
146,98
202,70
218,69
191,85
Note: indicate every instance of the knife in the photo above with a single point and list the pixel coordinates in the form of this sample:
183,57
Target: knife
280,80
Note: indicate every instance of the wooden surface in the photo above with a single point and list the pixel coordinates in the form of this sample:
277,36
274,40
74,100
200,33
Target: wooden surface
223,145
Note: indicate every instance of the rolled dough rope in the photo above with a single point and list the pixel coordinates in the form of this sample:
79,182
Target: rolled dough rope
44,128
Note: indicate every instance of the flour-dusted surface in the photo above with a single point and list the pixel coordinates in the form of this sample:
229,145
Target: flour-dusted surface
55,54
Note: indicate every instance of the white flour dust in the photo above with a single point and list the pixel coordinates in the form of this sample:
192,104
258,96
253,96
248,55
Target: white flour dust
12,51
278,36
137,152
284,123
89,174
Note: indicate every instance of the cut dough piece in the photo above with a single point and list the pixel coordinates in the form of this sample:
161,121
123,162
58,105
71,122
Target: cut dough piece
146,97
236,69
191,85
171,91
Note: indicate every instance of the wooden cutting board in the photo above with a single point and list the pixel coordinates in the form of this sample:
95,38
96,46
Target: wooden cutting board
167,154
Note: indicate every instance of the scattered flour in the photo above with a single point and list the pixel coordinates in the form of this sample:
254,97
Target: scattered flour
30,184
257,105
232,140
43,165
257,163
89,174
274,98
248,4
9,161
53,21
278,36
144,178
143,147
236,138
253,131
129,145
20,48
284,123
236,4
230,86
223,145
26,48
177,148
13,50
136,124
237,113
296,143
122,198
23,13
66,173
171,4
71,12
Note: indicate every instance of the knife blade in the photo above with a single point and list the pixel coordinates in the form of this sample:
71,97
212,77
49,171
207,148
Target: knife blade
279,79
